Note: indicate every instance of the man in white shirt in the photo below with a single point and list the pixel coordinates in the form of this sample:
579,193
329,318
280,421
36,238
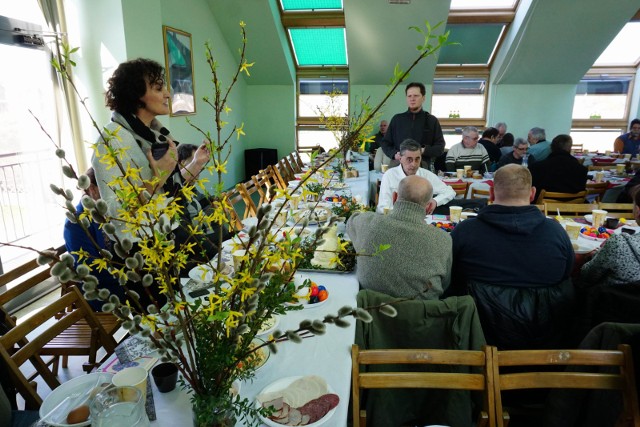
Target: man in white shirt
410,157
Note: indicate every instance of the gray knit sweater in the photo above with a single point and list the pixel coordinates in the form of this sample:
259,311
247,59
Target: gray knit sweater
419,253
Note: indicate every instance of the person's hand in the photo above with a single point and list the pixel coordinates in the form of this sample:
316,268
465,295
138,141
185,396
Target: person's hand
397,156
202,155
165,164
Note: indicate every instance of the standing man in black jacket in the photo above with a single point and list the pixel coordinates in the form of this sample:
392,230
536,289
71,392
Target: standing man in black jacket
416,124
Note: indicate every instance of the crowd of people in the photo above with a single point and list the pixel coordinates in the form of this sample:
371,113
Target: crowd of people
519,265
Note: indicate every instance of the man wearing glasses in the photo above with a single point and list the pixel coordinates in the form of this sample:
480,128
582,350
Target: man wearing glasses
468,153
518,155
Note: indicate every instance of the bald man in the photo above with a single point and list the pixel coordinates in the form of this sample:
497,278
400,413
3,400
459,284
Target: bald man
418,263
516,264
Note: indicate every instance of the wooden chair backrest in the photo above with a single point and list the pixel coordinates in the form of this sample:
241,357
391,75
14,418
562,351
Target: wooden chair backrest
293,162
246,190
597,188
460,188
296,156
572,209
234,200
262,182
290,173
536,377
79,310
274,176
601,167
477,193
435,380
552,196
618,210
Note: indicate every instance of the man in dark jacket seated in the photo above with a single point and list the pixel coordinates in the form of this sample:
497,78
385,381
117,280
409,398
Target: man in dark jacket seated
560,172
524,298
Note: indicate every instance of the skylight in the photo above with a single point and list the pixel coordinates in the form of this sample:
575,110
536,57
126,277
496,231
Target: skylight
319,46
483,4
624,49
291,5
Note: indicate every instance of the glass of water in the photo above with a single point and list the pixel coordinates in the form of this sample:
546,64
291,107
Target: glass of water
119,406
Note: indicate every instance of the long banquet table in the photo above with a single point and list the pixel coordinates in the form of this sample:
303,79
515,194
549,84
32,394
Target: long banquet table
328,356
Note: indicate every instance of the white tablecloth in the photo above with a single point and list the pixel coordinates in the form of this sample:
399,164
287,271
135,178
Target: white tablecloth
328,356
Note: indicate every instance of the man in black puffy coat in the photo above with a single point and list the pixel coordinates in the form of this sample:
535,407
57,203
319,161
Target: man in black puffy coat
516,264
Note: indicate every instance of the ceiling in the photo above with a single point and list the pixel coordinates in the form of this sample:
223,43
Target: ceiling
548,42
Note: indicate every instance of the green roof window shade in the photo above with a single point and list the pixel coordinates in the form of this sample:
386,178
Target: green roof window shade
319,47
457,98
602,97
310,5
483,4
624,50
478,43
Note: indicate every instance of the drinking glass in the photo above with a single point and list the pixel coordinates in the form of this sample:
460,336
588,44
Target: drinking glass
117,407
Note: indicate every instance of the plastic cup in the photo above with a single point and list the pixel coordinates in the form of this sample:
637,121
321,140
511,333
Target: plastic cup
467,167
459,173
165,375
135,376
295,201
607,153
599,176
620,169
627,156
386,210
454,213
598,216
237,258
573,230
384,168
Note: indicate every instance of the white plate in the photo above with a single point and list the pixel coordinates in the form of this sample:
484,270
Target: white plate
283,383
583,249
269,326
589,218
597,239
317,215
308,305
197,272
82,384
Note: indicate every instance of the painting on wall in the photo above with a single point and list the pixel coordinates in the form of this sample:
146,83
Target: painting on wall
179,68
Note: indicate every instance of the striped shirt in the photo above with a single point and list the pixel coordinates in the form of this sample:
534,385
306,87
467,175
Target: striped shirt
458,156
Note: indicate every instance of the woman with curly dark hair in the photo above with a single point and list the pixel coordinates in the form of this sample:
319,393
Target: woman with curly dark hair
137,95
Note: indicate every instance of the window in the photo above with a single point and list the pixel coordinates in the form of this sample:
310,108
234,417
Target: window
599,140
458,98
624,49
313,101
602,97
31,214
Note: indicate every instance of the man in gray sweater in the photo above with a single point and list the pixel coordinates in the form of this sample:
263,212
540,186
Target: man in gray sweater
418,263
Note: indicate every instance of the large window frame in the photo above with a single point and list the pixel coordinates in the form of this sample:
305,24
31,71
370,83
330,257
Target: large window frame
463,74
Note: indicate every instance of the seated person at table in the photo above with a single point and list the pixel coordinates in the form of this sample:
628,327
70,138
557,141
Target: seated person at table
539,146
516,156
76,239
468,152
629,143
521,299
418,263
560,172
410,158
380,159
489,141
618,261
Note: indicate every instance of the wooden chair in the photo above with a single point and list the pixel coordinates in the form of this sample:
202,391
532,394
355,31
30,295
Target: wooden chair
537,377
434,380
618,210
551,196
597,188
247,190
274,176
285,170
235,202
293,162
80,313
477,193
570,209
460,188
79,339
603,167
296,156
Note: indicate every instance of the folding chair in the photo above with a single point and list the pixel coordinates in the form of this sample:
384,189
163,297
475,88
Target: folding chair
481,381
552,196
571,209
596,190
79,312
460,188
533,375
618,210
477,193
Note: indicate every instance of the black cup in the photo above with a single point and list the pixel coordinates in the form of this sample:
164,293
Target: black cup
165,376
612,223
